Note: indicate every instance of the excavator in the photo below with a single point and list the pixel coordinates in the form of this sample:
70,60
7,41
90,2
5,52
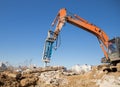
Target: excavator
110,47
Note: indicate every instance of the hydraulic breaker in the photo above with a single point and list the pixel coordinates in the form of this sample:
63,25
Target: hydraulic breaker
48,48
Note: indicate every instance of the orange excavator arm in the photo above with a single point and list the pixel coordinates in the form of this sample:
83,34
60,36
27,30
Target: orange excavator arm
62,17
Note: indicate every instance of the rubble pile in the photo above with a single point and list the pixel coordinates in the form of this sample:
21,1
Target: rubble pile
59,76
35,77
53,77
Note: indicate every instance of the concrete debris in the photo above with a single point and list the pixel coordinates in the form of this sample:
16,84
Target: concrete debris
80,69
109,81
53,77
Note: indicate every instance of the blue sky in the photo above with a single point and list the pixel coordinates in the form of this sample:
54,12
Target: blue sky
24,25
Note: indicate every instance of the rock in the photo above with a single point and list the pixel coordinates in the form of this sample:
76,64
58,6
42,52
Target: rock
28,81
55,81
12,75
24,82
69,73
27,71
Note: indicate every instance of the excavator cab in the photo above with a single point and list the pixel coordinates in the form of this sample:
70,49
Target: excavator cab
113,51
114,55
